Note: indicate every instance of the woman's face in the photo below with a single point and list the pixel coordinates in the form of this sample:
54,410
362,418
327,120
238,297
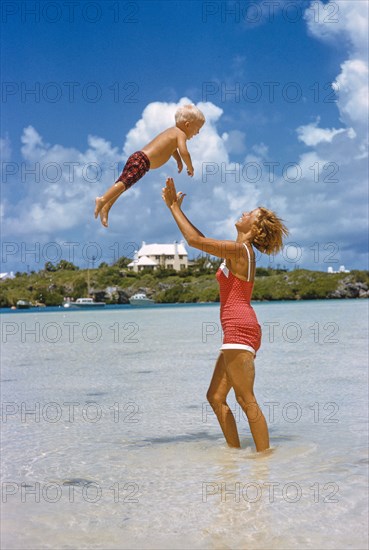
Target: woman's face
247,220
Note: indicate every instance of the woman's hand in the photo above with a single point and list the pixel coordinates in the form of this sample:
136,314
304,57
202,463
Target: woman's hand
170,195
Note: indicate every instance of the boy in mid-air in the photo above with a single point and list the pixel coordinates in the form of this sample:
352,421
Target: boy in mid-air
170,143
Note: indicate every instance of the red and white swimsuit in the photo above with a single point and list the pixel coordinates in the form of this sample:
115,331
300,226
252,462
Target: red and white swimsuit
240,326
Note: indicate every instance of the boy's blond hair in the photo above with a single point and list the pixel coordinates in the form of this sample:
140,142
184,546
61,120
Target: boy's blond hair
269,232
188,112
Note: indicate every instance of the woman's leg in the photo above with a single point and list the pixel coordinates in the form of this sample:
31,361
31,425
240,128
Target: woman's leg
216,395
241,372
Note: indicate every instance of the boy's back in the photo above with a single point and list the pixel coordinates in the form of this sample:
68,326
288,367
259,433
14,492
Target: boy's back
162,147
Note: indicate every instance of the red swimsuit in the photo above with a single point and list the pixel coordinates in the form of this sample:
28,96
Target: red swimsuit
239,322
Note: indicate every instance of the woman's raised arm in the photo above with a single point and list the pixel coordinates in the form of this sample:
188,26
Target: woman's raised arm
222,249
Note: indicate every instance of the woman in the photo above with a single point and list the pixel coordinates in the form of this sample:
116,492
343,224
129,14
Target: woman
242,333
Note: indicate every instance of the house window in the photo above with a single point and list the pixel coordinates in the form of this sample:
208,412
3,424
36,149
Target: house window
169,257
169,266
183,266
181,257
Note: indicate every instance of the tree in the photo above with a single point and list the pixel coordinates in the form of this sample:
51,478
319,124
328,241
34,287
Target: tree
64,265
205,264
123,261
49,266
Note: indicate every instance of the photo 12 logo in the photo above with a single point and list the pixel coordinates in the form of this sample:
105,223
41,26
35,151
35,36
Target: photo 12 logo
274,411
269,91
270,492
69,412
43,11
276,332
69,92
70,490
251,12
89,252
254,172
71,332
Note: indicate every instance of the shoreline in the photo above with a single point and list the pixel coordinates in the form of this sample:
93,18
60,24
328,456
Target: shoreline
115,286
112,307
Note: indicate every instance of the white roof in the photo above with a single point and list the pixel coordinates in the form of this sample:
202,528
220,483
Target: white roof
7,275
143,260
161,249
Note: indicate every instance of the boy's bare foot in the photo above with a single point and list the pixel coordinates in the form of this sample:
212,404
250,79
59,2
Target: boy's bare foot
104,213
99,203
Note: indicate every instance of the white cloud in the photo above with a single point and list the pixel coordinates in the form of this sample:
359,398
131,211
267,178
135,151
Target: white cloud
352,87
234,142
311,135
345,19
59,184
33,146
261,149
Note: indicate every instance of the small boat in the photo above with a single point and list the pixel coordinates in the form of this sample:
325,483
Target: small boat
23,304
86,303
140,299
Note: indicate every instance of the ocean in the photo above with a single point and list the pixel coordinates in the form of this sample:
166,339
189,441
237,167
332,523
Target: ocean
108,441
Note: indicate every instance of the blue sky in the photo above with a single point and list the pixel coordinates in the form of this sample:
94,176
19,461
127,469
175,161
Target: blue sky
283,85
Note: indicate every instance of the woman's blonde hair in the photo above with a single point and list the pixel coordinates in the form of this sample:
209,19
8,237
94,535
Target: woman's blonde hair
188,112
269,232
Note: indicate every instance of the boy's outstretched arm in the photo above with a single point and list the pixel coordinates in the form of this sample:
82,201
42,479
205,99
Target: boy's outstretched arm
183,151
178,159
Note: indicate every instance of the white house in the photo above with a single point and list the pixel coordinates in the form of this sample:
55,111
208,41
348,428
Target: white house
153,256
341,270
8,275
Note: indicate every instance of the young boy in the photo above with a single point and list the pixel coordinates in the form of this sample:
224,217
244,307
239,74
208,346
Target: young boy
170,143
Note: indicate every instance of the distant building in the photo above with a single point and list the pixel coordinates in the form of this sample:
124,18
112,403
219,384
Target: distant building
7,275
341,270
155,256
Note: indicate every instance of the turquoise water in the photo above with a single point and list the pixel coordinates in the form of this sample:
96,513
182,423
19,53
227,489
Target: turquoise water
108,442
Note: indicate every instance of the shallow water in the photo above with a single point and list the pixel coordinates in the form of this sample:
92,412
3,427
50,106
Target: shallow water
108,441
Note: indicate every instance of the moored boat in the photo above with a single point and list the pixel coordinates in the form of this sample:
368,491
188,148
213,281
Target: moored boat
86,303
23,304
140,299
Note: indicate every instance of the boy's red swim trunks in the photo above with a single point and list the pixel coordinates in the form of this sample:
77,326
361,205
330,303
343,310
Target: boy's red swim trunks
135,168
